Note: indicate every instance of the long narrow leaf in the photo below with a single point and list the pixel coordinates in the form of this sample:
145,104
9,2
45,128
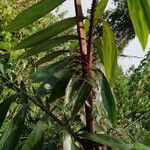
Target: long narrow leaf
47,33
138,20
83,93
145,5
4,107
33,13
50,57
49,44
108,99
109,52
108,140
13,131
35,139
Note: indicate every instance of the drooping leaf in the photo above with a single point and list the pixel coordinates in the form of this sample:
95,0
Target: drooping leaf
67,141
108,140
13,131
108,99
83,93
32,14
58,90
35,139
50,57
138,20
42,73
4,107
49,44
145,5
47,33
109,52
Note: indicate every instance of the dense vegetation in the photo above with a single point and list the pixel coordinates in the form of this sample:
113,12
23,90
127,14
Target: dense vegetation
56,92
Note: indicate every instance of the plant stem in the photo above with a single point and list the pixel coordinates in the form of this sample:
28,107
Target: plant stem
86,55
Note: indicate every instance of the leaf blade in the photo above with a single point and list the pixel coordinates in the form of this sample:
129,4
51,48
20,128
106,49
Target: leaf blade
32,14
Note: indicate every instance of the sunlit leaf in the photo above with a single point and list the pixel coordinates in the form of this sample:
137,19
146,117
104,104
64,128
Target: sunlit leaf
139,20
109,52
33,13
49,44
145,5
13,131
108,140
47,33
35,139
83,93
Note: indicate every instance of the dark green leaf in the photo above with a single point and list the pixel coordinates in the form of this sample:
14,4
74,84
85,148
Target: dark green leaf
42,73
33,13
108,99
108,140
58,90
4,107
35,139
83,93
50,57
49,44
13,131
109,52
138,20
145,4
47,33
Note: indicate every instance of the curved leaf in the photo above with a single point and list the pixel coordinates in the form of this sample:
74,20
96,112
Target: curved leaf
47,33
83,93
50,57
138,20
109,52
108,99
4,107
58,90
35,139
108,140
49,44
13,131
32,14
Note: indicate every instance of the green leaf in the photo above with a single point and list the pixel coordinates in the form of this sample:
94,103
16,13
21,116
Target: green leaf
83,93
139,146
42,73
58,90
108,100
49,44
138,20
145,5
108,140
67,141
13,131
33,13
35,139
47,33
4,107
50,57
109,52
